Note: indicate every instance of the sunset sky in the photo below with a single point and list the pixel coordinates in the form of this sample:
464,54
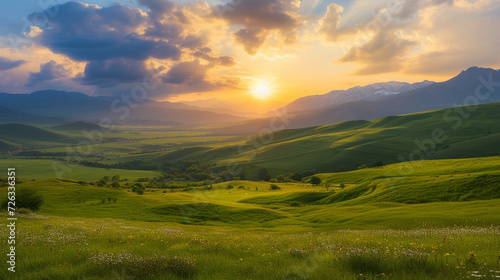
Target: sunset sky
260,53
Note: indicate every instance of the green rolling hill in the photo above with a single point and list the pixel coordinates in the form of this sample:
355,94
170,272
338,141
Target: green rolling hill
29,135
347,145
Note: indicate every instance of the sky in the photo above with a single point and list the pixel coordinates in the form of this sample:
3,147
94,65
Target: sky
260,54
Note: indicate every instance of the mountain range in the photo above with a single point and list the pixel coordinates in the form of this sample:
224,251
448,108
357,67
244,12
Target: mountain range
51,107
459,90
338,97
45,107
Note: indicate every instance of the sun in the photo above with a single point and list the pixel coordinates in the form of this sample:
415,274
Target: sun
262,90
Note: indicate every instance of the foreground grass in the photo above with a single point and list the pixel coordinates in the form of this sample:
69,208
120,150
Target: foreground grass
78,248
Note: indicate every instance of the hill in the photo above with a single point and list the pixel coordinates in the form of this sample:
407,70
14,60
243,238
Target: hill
348,145
25,134
10,115
78,126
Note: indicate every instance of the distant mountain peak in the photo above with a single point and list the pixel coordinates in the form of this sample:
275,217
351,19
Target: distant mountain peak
368,92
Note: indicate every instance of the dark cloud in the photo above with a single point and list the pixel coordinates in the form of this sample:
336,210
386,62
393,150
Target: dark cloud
107,39
260,18
157,8
86,33
48,72
189,73
111,72
206,54
7,64
251,39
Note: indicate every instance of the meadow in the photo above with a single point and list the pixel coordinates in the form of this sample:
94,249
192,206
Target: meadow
247,230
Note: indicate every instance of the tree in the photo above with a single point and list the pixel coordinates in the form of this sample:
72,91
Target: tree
115,185
342,185
315,180
296,177
263,175
227,176
275,187
280,178
116,178
26,198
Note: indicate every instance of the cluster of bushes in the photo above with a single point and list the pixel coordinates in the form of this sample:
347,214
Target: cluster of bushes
130,165
109,199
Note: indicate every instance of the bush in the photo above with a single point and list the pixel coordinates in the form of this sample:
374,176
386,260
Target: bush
295,204
26,198
138,190
275,187
229,187
342,185
315,180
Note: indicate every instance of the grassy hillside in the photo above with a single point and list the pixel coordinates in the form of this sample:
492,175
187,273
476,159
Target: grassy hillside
347,145
30,136
246,230
42,169
78,127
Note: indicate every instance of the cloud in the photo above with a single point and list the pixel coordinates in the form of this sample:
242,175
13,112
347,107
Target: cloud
48,72
260,19
329,24
189,73
111,72
384,40
7,64
107,38
385,52
206,54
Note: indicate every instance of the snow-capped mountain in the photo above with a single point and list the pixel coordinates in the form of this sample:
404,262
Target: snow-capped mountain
369,92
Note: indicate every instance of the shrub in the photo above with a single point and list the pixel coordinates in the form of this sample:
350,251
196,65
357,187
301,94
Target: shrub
315,180
103,200
138,190
241,187
295,204
229,187
26,198
275,187
342,185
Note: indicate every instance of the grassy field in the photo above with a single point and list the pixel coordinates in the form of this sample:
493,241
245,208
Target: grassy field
42,169
430,219
385,223
347,145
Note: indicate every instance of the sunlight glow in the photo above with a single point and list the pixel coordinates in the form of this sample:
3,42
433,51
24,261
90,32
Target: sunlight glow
261,90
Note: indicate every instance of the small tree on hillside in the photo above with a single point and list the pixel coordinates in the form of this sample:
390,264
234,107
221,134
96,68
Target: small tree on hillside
315,180
26,198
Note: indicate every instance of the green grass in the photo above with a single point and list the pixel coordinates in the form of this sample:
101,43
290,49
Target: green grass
345,146
368,230
43,169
